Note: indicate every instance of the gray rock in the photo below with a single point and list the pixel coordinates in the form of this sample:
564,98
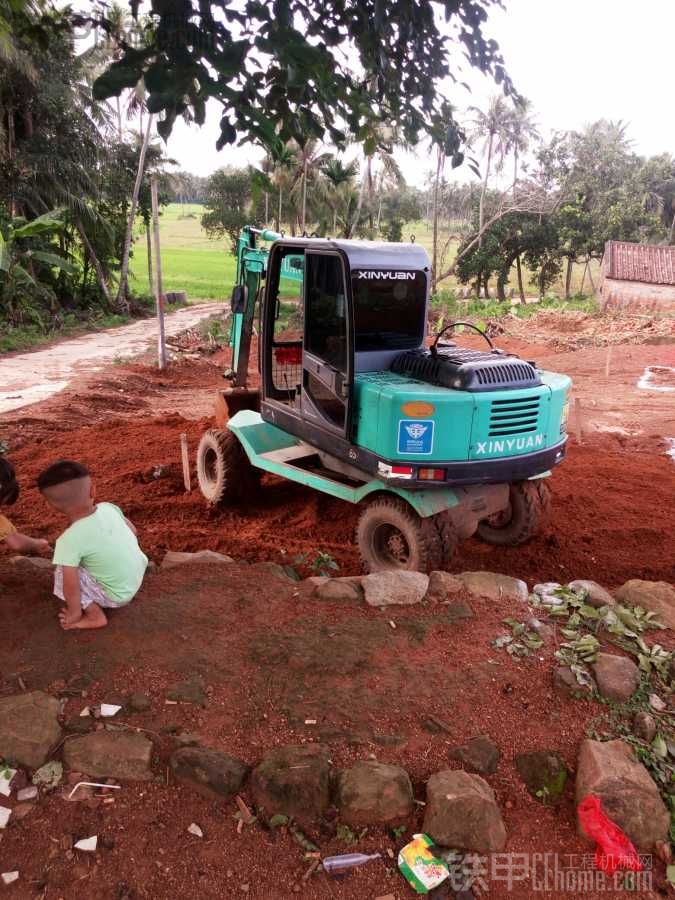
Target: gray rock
656,596
339,589
29,728
283,573
544,774
191,691
398,587
214,774
373,793
545,592
80,724
480,755
565,682
629,797
644,726
173,558
494,586
596,595
138,702
293,781
115,754
458,610
462,812
443,585
617,677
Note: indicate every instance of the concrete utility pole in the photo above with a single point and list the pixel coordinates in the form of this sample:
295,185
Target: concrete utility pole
159,297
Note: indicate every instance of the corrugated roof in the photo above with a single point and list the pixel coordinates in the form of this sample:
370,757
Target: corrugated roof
640,262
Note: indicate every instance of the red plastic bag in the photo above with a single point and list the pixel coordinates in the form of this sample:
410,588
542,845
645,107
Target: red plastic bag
614,849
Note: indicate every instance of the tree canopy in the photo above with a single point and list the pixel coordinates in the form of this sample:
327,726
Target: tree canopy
303,69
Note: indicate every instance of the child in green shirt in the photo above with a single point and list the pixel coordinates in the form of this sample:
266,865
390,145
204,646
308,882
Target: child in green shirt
99,564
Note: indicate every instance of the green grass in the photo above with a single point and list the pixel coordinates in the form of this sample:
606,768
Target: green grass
190,260
205,268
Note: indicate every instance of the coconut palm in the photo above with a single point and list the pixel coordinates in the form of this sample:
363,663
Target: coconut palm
309,160
522,131
491,128
282,178
339,180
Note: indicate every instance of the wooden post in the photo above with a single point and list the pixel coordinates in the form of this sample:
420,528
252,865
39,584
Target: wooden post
159,298
577,418
186,462
608,360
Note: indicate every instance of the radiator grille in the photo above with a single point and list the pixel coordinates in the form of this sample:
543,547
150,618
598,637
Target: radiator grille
505,373
514,416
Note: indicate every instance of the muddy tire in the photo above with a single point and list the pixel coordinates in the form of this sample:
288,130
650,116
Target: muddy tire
390,535
224,472
529,503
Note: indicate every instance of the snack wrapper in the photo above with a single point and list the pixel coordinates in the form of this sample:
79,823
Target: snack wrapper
422,870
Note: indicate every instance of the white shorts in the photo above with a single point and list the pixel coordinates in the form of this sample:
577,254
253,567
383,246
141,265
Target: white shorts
90,590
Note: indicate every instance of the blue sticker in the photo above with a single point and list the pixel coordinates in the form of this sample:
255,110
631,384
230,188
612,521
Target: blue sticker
415,436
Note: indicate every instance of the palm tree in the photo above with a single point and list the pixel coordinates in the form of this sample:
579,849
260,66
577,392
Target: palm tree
492,127
283,164
522,130
339,178
309,159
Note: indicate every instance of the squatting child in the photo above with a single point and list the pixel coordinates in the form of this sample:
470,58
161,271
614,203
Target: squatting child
99,564
9,536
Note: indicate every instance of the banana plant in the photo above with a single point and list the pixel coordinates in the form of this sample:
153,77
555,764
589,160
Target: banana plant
18,275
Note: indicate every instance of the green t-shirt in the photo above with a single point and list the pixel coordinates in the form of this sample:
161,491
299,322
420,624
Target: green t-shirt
107,548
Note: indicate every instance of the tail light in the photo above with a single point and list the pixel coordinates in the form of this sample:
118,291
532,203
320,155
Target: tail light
431,474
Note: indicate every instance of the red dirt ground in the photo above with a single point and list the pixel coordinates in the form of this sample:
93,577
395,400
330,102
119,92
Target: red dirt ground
274,657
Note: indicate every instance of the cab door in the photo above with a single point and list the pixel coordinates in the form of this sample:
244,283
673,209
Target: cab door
327,358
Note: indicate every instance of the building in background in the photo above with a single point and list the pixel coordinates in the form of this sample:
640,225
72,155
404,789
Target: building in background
638,277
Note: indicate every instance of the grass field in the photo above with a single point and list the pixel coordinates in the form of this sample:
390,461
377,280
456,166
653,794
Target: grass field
206,269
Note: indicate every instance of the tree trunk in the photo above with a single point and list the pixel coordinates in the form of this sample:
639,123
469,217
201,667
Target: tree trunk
119,119
440,160
334,221
121,299
519,270
267,208
149,243
568,277
100,274
281,194
481,205
304,196
370,192
501,281
359,204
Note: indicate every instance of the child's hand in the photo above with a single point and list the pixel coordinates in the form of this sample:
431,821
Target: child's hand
42,546
68,619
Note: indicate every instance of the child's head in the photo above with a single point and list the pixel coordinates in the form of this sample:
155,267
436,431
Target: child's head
9,486
66,485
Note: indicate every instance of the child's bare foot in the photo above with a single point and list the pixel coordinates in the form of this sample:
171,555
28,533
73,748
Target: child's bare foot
91,617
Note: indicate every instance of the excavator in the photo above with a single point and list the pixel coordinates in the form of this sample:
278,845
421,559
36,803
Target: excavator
434,441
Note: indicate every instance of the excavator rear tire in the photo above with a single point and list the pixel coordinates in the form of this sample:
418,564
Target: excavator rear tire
529,503
224,472
391,535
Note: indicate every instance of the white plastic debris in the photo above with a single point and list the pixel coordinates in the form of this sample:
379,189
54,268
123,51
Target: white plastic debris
109,709
87,844
6,776
196,830
4,816
9,877
27,793
112,787
85,712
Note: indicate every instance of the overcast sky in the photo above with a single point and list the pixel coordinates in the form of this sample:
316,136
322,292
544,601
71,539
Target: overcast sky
576,60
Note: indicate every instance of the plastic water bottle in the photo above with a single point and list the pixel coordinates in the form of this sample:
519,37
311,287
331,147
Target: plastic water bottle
337,865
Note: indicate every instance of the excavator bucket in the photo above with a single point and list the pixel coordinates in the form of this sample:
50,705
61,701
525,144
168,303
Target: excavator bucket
230,401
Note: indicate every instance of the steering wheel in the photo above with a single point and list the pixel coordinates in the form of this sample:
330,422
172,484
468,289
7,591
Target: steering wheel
434,349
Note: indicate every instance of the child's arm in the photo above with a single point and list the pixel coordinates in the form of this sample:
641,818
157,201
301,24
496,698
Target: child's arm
24,544
71,592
